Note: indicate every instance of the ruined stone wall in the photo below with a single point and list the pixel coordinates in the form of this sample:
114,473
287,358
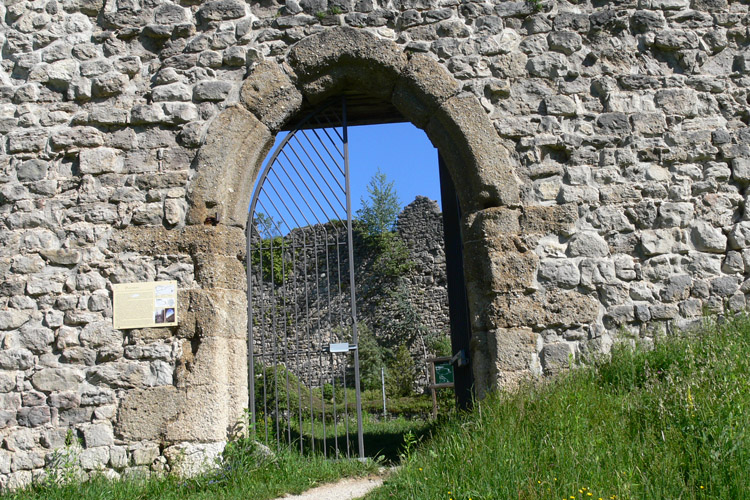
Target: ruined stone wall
420,226
626,123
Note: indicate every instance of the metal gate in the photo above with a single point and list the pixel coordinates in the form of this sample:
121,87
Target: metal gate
302,316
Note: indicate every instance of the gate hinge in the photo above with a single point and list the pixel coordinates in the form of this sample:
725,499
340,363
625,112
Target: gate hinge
460,358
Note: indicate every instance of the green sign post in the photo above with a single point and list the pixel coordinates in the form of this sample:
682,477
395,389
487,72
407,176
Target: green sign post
444,373
441,373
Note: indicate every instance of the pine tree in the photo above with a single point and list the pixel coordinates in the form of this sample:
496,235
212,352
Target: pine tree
379,212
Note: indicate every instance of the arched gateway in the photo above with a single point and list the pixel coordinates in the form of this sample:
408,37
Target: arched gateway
338,61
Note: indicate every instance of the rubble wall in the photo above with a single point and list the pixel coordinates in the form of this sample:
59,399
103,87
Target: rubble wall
601,153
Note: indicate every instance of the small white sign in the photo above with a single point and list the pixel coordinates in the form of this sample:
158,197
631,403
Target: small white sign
342,347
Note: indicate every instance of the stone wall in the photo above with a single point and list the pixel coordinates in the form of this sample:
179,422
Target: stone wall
601,153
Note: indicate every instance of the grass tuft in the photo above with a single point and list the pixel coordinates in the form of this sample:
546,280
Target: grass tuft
672,422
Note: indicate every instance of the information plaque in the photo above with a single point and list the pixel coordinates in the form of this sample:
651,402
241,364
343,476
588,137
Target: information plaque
145,305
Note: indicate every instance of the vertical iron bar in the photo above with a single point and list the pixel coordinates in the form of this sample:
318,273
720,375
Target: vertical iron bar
264,359
360,437
321,356
250,332
296,341
274,332
286,342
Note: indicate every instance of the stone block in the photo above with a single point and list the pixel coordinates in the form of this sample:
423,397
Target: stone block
480,166
346,58
707,238
563,273
99,161
219,271
587,244
220,10
145,455
57,379
422,87
188,459
33,416
213,313
542,309
119,375
740,170
99,434
234,137
500,264
16,359
94,458
118,457
498,353
270,95
560,105
144,414
485,224
557,356
559,219
11,319
212,90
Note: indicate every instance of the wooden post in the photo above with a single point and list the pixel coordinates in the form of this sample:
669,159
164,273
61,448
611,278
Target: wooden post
433,390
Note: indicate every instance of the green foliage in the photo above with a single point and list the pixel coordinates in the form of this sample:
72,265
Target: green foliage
392,257
371,358
405,322
401,373
536,5
439,344
671,422
269,256
378,214
335,10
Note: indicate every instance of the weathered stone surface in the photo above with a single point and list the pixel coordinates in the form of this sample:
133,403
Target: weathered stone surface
587,244
270,95
98,435
144,414
707,238
212,91
233,137
600,157
100,161
423,86
462,132
57,379
341,58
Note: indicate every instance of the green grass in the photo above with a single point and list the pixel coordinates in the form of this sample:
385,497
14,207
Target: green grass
243,476
669,423
246,474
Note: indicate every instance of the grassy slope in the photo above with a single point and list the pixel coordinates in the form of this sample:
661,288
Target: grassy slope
243,477
670,423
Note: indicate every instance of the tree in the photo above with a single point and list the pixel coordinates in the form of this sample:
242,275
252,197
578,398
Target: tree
379,212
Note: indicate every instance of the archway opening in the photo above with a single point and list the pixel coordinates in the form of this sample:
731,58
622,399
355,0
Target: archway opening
405,296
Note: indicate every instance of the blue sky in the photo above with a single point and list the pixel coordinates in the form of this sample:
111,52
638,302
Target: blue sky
400,150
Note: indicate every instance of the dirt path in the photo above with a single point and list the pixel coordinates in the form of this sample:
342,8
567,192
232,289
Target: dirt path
346,489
